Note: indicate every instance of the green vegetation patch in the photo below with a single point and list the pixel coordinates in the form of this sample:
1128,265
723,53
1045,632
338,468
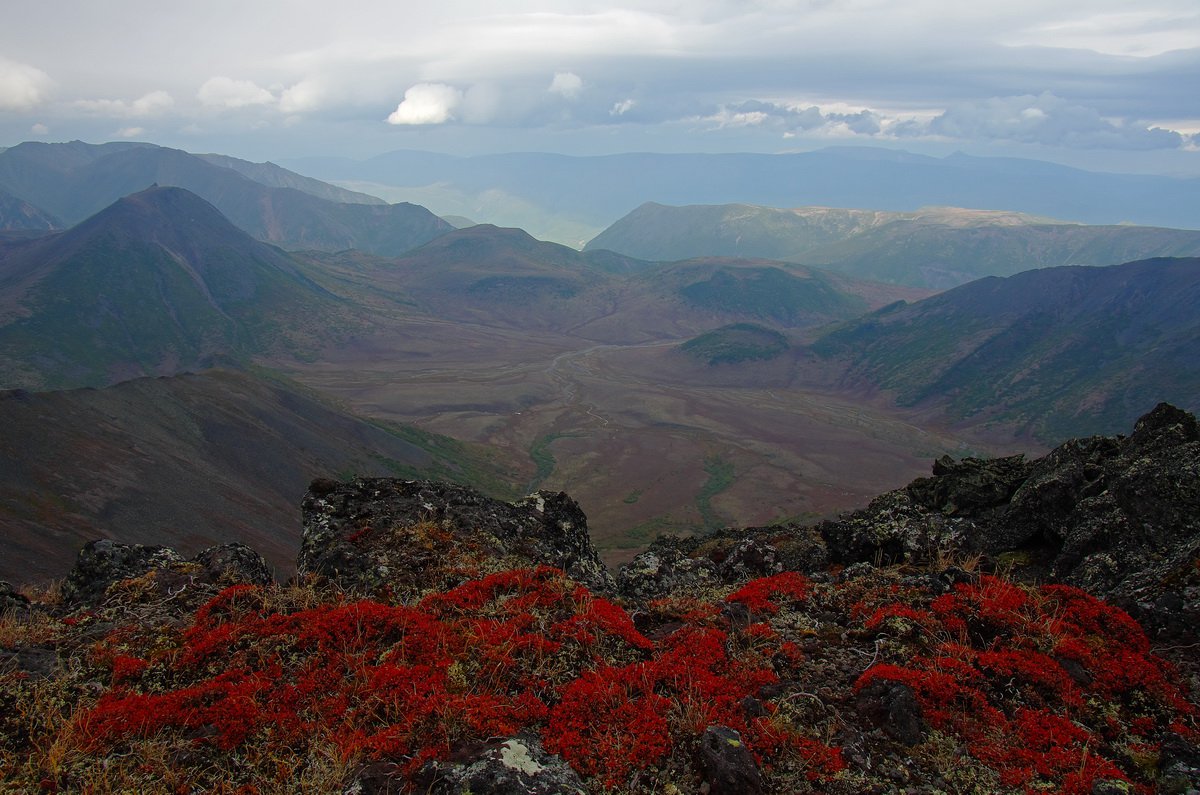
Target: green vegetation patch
739,342
771,294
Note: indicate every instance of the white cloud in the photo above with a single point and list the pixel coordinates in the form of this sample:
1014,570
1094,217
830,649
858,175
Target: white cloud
622,107
152,104
22,86
130,132
39,129
566,84
225,92
305,96
1043,119
427,103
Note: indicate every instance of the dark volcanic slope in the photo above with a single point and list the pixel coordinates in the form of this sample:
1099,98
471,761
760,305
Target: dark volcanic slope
1057,352
76,180
158,282
935,247
187,461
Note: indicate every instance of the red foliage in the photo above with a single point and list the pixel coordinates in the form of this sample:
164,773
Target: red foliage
760,595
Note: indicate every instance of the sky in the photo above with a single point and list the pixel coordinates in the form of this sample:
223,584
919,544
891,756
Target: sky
1099,84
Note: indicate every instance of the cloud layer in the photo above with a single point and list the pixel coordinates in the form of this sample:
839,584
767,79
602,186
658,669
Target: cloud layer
1074,75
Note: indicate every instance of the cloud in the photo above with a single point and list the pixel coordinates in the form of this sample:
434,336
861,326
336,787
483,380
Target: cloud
1042,119
566,84
152,104
22,86
39,129
225,92
622,107
130,132
305,96
791,119
427,103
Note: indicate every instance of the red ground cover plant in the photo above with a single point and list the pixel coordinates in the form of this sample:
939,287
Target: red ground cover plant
520,649
1044,686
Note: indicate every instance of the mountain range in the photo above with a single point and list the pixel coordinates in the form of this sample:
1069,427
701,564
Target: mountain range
728,388
935,247
571,199
73,181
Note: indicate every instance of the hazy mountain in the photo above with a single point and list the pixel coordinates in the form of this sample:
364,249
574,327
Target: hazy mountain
190,460
158,282
1053,352
274,176
934,247
504,277
561,192
76,180
18,214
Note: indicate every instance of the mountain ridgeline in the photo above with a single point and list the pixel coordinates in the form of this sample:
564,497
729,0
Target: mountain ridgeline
75,180
936,247
1054,352
156,283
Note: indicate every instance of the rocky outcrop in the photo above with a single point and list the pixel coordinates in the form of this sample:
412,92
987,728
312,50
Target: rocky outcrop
383,534
516,766
104,563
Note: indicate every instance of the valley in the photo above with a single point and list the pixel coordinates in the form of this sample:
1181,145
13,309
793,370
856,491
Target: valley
645,438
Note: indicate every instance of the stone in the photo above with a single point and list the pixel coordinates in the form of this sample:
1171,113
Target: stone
356,534
893,707
664,570
104,562
515,766
729,766
11,599
234,564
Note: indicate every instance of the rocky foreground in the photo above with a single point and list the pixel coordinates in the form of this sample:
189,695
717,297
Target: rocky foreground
1004,626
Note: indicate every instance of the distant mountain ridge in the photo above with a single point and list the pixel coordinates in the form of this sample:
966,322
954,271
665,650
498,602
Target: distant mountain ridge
1053,352
76,180
936,247
560,191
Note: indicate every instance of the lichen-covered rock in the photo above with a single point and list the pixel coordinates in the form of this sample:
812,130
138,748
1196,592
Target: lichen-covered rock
664,570
729,767
893,707
516,766
369,535
11,599
234,564
102,563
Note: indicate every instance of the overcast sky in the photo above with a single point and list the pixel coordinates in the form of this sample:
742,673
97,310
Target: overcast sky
1094,83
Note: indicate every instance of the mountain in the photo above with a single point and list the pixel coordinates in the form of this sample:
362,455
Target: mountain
557,197
504,277
936,247
189,460
1053,352
158,282
18,214
76,180
274,176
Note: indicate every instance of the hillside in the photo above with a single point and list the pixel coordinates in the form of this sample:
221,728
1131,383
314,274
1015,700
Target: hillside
936,247
76,180
189,461
156,283
1052,353
440,641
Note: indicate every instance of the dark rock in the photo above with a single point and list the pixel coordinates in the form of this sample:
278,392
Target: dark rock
664,570
354,534
11,599
516,766
729,767
234,564
749,559
1178,765
893,707
377,778
104,562
40,662
970,485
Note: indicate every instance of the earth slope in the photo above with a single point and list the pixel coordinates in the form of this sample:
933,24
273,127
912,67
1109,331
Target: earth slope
158,282
1052,353
189,461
